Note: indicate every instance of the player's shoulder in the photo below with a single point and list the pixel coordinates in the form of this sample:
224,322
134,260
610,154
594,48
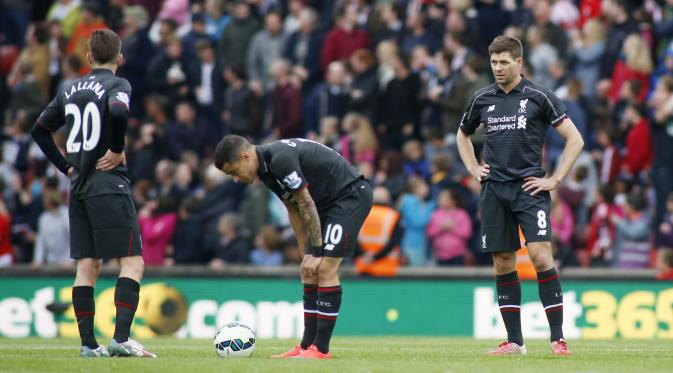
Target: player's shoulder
120,83
530,88
484,91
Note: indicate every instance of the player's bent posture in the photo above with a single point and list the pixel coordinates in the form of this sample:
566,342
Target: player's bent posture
327,200
103,221
516,114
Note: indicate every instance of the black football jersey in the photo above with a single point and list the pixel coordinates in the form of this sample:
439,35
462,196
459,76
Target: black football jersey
83,107
515,126
290,165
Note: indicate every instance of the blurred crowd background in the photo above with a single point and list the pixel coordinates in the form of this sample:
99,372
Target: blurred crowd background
382,82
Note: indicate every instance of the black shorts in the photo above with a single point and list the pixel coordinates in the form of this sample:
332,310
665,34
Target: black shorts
104,227
341,223
504,207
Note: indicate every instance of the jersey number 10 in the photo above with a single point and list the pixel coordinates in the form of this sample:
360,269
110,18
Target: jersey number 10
90,128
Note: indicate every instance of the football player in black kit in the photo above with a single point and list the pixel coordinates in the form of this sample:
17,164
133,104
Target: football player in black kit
516,114
327,200
103,220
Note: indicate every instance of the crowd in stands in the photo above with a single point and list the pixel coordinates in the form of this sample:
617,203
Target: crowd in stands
382,82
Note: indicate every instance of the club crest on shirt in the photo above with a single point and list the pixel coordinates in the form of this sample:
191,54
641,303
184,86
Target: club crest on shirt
293,181
522,106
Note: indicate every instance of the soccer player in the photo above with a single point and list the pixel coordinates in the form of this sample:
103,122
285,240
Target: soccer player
327,200
516,114
103,220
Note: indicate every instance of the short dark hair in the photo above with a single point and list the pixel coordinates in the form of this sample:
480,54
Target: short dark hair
502,44
104,46
229,149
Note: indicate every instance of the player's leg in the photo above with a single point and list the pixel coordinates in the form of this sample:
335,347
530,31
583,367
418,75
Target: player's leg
533,215
88,268
341,227
116,235
310,315
499,237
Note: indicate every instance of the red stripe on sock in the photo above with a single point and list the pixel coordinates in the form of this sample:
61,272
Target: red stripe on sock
510,309
548,279
331,288
559,308
308,314
507,283
310,290
327,317
121,304
84,313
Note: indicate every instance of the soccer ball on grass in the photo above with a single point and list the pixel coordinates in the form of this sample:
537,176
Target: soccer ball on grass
234,340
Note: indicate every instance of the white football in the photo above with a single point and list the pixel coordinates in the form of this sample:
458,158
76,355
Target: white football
234,340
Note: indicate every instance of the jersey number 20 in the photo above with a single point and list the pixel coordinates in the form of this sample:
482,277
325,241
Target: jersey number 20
90,128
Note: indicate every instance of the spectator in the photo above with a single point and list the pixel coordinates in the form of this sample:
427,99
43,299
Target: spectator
449,229
268,243
37,55
327,99
562,227
304,48
541,55
186,133
137,50
416,211
390,173
664,235
52,244
638,146
265,48
6,249
632,249
232,47
636,63
286,102
292,21
205,90
344,38
172,73
610,158
67,13
391,17
364,85
601,232
216,19
553,33
232,247
240,104
196,34
588,54
359,143
91,20
661,130
400,106
26,94
187,237
621,26
157,221
418,35
415,164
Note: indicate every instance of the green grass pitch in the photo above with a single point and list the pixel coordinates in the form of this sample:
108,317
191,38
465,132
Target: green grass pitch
351,354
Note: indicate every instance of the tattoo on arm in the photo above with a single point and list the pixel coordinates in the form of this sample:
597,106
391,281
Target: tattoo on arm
309,216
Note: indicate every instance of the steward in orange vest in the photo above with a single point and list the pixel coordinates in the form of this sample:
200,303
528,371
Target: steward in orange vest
380,238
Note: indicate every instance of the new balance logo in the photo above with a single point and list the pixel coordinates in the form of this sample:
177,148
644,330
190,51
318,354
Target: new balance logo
542,232
490,108
483,241
329,247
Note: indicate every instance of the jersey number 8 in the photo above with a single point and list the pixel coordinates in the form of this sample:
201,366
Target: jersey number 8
90,135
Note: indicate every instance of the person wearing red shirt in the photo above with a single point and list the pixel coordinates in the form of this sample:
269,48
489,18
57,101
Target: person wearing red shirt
638,143
91,20
344,38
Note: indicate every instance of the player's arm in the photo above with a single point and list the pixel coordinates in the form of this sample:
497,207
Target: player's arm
49,121
572,150
118,107
468,125
308,214
297,226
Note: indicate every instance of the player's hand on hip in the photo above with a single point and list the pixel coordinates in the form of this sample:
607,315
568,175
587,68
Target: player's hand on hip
110,160
535,185
310,264
481,172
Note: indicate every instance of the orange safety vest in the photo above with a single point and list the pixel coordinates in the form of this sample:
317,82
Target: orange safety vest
376,231
524,266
